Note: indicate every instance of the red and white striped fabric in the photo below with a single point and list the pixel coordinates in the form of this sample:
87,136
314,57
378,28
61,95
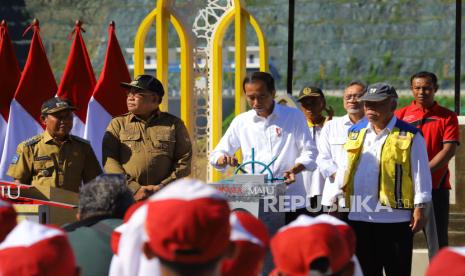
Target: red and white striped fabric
78,81
9,78
7,219
309,239
35,249
251,239
192,213
449,261
108,99
36,85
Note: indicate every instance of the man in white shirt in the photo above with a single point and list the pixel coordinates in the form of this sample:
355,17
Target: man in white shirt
276,133
386,184
331,154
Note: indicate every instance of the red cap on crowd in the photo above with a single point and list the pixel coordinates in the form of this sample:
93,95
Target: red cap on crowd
35,249
251,239
309,239
346,231
188,222
450,261
7,219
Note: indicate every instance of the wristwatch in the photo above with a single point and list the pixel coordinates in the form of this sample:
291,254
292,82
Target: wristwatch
420,205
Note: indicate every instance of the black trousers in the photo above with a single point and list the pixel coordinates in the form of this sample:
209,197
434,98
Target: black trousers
441,214
385,246
313,210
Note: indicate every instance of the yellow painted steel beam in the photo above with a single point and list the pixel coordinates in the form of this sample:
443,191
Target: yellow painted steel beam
262,44
186,82
216,101
139,43
240,54
161,42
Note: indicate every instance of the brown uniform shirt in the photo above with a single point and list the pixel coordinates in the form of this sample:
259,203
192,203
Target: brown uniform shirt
152,152
39,161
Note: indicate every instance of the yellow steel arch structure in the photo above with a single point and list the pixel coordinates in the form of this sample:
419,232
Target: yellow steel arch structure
240,16
163,14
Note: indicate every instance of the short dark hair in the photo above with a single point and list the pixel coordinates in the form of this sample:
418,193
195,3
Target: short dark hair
267,78
107,194
359,83
425,74
190,269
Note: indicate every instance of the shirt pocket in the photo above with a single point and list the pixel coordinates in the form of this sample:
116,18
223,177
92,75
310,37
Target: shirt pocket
131,141
43,168
402,148
164,141
276,134
337,141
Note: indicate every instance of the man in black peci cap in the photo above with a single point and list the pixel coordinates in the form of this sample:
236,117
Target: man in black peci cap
151,147
55,158
386,185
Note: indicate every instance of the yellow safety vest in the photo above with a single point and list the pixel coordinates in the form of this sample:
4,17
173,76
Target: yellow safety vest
395,179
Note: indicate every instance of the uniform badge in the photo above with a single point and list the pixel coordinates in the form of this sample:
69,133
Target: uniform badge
45,173
353,135
15,159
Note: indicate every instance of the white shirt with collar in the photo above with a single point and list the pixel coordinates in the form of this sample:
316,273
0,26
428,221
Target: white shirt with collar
283,135
332,157
366,179
314,180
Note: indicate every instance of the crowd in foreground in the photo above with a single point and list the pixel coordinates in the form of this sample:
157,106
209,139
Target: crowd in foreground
153,237
387,168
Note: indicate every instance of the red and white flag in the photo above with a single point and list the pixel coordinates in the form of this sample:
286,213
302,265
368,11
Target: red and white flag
9,78
109,99
78,81
36,85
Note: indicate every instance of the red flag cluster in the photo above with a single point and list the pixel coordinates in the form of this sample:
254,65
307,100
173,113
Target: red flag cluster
9,78
22,94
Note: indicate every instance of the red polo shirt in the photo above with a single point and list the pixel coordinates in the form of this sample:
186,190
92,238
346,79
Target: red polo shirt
439,125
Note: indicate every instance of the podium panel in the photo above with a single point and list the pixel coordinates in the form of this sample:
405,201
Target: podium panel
262,201
42,204
32,212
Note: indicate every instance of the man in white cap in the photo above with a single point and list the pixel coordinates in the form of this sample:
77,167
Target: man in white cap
197,241
312,245
251,239
35,249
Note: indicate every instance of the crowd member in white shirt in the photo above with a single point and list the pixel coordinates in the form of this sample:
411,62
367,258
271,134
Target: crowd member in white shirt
276,133
313,103
331,154
386,185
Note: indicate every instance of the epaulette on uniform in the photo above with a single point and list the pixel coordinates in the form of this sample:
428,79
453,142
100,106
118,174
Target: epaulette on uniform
77,138
33,140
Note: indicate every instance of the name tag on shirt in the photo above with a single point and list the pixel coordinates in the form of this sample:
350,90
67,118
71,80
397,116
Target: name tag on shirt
42,158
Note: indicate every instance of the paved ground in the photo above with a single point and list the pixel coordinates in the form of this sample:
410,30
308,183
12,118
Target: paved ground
419,262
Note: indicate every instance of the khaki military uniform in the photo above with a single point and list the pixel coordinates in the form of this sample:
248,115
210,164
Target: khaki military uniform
40,161
152,152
